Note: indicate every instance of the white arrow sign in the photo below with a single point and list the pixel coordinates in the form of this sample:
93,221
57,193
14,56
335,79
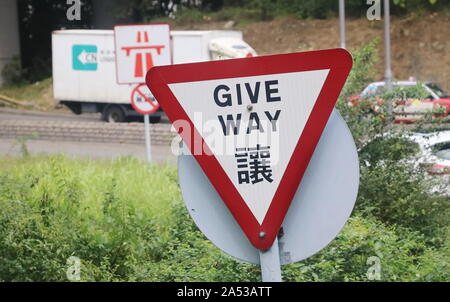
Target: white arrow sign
87,57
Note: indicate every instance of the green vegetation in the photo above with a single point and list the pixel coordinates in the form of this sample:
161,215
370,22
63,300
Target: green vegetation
125,220
38,95
13,73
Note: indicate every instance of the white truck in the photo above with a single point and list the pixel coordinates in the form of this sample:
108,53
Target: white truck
84,69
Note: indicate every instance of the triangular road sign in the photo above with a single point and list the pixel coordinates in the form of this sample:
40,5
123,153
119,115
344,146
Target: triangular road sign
253,124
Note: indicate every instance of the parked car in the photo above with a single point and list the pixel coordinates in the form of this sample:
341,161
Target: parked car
429,152
434,151
410,110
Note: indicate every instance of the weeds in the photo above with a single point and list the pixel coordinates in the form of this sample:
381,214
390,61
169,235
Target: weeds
126,221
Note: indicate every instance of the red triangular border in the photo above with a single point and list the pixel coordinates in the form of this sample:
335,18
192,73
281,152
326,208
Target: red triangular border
339,61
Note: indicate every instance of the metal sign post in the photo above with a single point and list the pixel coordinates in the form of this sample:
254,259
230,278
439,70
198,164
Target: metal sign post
342,23
387,51
143,102
139,47
148,143
270,263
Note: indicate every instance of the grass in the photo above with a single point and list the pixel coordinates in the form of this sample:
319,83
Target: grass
123,218
126,221
38,95
149,189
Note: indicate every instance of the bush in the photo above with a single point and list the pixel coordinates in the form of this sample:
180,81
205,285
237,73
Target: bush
363,121
102,213
126,222
188,16
392,188
398,194
402,255
13,73
384,149
123,219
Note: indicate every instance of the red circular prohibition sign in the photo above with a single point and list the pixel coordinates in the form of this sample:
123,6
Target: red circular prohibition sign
149,105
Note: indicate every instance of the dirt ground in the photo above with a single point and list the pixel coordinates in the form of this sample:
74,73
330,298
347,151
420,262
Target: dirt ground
420,43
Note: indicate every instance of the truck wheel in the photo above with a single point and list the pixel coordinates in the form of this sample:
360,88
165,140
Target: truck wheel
114,114
155,119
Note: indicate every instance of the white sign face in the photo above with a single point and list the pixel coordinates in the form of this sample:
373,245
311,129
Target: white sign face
253,127
139,48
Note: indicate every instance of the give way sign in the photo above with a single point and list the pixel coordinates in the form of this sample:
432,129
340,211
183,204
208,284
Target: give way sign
252,125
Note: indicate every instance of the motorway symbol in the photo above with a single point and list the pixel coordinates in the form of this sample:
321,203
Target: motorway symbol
266,114
142,100
139,48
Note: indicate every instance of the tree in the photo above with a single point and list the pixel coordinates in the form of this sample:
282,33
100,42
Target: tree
37,19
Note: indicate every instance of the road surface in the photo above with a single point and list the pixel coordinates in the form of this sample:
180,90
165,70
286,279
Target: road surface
13,114
80,136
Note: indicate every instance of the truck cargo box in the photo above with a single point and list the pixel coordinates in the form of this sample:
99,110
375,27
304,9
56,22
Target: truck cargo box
84,69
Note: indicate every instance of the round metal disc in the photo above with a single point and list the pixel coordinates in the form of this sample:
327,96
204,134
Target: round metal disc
320,208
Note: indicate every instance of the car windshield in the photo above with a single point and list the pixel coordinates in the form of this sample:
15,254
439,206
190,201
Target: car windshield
443,150
438,91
